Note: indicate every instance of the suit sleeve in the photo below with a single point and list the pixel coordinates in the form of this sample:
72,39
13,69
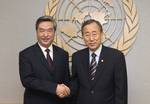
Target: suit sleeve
67,71
30,81
74,78
120,80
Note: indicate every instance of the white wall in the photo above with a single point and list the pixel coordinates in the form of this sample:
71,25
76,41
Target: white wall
17,18
138,60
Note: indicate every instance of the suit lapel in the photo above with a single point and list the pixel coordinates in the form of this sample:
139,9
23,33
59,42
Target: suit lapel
85,61
41,56
55,57
100,66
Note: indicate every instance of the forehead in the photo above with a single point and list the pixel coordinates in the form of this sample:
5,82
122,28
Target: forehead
91,26
46,24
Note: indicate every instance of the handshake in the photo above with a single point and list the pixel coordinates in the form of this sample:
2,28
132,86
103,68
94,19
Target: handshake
62,91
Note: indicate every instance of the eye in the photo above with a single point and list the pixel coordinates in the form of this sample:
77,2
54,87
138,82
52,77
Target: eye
41,30
86,34
94,34
50,30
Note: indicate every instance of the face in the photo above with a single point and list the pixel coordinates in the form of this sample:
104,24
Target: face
92,36
45,33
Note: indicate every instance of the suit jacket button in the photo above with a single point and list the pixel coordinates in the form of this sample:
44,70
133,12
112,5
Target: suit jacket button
92,92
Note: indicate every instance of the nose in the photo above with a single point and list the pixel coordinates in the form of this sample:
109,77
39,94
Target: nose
91,38
45,33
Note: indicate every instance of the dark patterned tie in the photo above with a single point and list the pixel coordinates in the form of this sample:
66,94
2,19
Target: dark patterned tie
93,66
49,60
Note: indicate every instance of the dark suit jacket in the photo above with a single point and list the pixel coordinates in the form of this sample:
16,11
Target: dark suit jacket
38,79
110,84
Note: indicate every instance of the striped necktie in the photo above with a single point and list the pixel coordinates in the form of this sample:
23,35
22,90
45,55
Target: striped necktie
93,66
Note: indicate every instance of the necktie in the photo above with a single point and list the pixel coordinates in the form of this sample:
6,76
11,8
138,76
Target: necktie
93,66
49,60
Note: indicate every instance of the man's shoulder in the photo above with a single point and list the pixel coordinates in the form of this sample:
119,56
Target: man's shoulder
80,52
112,51
57,48
28,49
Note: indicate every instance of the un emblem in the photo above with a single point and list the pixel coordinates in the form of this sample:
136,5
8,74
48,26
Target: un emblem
119,19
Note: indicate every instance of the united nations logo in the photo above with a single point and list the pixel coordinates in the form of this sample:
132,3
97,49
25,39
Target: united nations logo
119,19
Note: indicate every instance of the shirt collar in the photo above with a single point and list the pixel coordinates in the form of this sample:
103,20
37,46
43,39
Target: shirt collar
97,52
43,48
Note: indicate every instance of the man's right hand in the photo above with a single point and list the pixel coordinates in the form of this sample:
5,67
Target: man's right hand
62,91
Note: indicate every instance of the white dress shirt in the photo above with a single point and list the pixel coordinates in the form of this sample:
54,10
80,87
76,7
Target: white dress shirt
97,52
45,53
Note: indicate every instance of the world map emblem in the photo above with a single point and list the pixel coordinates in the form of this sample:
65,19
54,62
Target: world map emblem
119,19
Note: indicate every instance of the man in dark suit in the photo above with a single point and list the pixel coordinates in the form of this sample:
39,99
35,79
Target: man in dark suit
44,67
98,73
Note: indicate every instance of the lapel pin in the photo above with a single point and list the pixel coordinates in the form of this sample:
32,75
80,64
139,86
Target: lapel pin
102,60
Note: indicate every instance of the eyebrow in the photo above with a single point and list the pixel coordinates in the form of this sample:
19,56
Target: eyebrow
92,32
45,29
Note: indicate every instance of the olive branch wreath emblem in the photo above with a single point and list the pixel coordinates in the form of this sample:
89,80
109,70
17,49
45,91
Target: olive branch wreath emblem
131,26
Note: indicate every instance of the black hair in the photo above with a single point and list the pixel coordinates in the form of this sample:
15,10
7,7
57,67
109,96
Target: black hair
45,18
89,22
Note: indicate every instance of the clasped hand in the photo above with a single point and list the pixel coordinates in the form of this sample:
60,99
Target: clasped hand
62,91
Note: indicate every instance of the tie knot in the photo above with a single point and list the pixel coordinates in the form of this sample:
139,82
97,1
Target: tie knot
47,50
93,55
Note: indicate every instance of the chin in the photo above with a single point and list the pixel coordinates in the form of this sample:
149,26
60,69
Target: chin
45,45
92,49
